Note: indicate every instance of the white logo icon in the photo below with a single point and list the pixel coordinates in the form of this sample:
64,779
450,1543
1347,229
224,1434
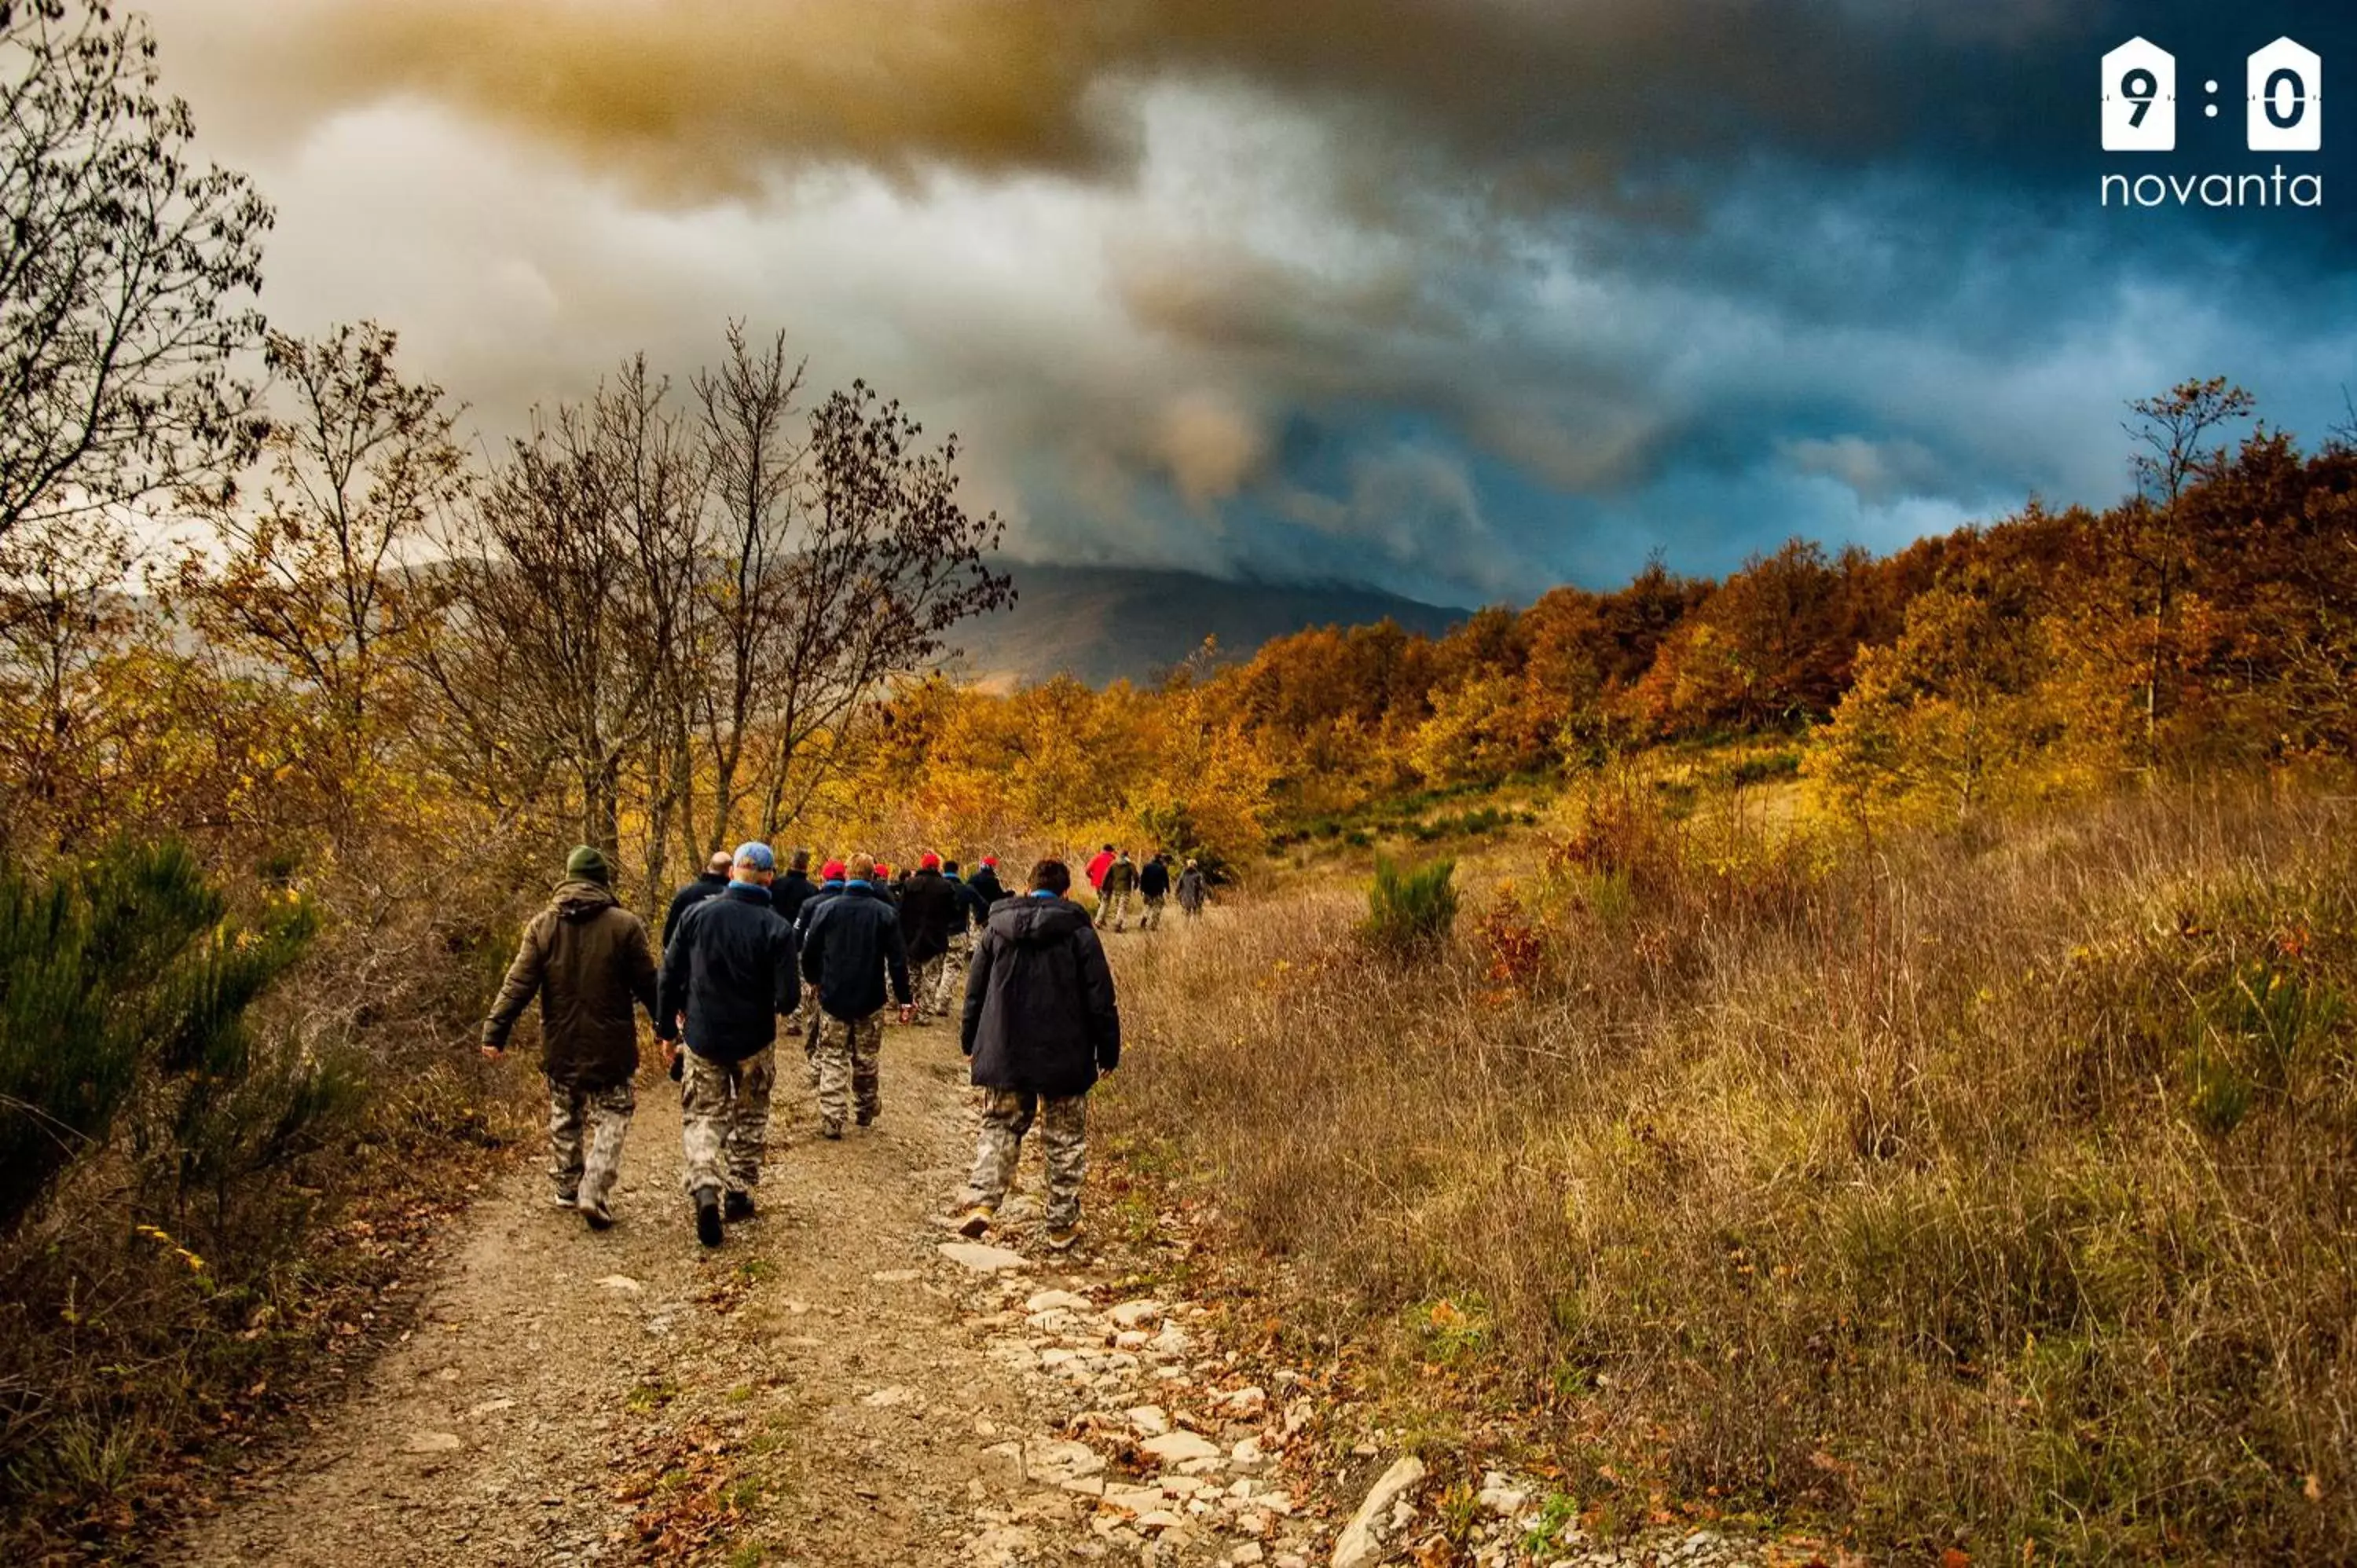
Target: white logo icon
2287,87
2140,98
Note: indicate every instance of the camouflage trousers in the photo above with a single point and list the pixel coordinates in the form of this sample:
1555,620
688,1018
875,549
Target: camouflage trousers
588,1176
850,1058
1113,906
1152,918
724,1119
951,999
925,982
1006,1115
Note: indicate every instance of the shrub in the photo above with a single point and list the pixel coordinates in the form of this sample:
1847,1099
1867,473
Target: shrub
1412,910
113,970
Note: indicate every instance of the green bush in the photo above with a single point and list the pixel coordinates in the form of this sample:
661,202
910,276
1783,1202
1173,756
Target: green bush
113,971
1412,909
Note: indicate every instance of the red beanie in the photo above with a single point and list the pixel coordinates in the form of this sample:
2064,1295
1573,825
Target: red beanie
830,872
931,863
991,861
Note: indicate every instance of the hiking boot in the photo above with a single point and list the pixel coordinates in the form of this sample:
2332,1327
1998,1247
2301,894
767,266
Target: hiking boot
867,1118
1062,1238
737,1206
707,1217
830,1129
595,1213
565,1198
977,1220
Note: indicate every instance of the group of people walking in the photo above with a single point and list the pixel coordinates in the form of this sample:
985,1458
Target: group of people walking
749,951
1117,879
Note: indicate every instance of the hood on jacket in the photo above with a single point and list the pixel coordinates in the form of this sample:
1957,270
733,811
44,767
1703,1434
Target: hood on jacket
579,898
1036,922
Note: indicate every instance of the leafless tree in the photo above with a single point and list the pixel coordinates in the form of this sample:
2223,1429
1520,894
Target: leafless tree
127,273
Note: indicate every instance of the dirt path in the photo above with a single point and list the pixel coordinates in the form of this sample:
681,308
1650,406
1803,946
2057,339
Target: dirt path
829,1388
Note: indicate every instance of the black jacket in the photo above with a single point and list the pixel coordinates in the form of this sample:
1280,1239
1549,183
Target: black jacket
1153,881
928,912
986,887
789,893
1039,1012
688,897
812,903
971,908
731,970
852,940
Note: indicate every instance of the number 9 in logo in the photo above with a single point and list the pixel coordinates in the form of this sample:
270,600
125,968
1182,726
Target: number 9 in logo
2139,99
2286,99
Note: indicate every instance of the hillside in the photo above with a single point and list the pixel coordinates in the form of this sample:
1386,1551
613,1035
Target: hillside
1108,623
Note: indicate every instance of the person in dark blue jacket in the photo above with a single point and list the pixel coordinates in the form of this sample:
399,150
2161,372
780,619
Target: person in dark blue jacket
729,974
852,948
792,890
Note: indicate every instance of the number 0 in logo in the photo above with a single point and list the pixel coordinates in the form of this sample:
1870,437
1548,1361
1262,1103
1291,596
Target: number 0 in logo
2139,99
2286,99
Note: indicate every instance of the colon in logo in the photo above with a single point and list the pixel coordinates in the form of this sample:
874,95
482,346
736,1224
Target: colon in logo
2286,99
2140,98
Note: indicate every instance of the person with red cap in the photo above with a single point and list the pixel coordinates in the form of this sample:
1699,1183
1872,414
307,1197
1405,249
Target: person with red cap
985,884
929,910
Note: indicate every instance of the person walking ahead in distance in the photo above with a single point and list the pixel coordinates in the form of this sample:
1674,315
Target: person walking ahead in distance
1097,865
587,959
1120,882
714,877
929,915
729,972
1152,888
853,943
1040,1023
985,885
1192,890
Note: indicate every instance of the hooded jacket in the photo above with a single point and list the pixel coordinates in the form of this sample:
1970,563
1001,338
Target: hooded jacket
1039,1012
1098,867
730,969
853,940
1120,877
587,959
1190,889
986,886
928,912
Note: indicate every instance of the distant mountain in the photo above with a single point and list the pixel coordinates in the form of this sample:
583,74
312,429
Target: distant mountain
1105,623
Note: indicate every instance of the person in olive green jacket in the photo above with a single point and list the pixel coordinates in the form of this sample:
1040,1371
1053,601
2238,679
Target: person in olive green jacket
587,960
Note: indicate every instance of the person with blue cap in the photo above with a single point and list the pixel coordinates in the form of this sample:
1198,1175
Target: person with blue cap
728,975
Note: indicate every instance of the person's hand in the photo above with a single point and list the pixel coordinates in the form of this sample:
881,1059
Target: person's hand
492,1053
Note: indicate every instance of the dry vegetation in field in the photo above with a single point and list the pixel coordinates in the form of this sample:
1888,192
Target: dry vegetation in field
1990,1191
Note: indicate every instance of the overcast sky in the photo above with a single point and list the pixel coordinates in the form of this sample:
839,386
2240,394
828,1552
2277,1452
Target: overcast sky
1455,298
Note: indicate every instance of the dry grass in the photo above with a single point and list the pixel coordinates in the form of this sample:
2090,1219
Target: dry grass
1997,1195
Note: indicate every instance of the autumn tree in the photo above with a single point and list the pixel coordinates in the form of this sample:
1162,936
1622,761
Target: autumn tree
315,576
2174,434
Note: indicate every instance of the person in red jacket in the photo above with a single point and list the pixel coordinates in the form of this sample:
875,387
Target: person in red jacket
1097,868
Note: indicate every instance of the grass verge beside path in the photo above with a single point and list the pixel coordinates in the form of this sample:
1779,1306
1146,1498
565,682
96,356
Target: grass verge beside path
1989,1194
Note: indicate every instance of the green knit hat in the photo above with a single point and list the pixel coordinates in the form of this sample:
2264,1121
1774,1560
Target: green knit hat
587,864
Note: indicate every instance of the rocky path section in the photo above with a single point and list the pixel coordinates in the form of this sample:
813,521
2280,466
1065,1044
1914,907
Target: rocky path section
846,1382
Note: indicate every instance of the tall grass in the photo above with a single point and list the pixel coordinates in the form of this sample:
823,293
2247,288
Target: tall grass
1999,1195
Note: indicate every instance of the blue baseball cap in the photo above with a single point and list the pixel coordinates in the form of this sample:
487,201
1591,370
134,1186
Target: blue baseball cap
755,854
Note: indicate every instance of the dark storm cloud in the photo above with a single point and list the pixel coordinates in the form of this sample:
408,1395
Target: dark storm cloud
1455,295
